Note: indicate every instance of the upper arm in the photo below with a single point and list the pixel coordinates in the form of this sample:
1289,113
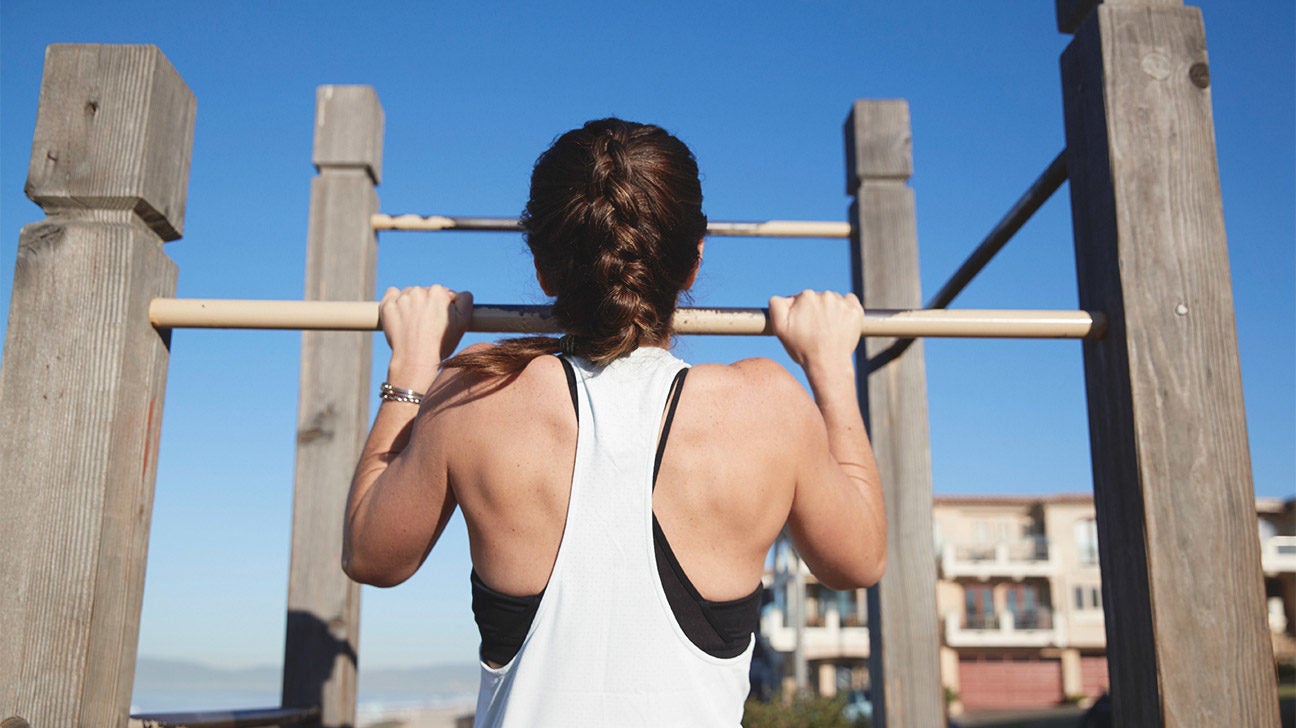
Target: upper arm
837,521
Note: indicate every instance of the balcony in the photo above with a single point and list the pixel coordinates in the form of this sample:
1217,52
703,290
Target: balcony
1016,560
1035,628
832,638
1278,554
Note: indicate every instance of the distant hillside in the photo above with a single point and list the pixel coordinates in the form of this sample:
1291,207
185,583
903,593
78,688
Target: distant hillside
164,675
152,673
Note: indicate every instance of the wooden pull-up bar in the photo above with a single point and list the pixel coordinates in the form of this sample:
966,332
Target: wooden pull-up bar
765,229
175,313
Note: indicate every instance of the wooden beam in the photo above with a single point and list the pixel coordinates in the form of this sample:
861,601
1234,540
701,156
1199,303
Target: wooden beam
84,375
1187,638
903,630
333,413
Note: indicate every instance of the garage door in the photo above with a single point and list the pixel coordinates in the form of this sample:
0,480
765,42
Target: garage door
1009,682
1093,675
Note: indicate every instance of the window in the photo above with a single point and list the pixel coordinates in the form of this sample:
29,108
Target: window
1086,541
979,607
1087,597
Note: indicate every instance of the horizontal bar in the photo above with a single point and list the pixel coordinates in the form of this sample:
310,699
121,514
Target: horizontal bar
228,718
766,229
174,313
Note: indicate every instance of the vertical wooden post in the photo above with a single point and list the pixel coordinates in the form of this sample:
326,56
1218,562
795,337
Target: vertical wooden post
333,415
83,380
1186,636
903,631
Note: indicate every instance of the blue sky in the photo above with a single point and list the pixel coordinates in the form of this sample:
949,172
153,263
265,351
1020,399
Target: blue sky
474,91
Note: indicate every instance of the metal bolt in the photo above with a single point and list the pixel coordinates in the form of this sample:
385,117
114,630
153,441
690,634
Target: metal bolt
1199,73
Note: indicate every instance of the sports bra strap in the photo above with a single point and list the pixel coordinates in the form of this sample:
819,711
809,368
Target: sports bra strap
676,387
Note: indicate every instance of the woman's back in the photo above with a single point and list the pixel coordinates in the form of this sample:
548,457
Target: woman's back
723,491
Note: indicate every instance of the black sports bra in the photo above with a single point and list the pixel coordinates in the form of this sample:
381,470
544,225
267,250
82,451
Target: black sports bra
721,629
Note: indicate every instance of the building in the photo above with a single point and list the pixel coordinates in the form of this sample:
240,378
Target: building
1019,603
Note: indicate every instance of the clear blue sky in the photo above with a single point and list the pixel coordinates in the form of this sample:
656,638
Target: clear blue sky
474,91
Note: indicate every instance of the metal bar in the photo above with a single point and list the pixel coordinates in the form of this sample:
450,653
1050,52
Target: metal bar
172,313
1021,211
766,229
228,718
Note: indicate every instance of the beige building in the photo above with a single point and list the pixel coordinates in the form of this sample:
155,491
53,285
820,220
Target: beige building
1019,603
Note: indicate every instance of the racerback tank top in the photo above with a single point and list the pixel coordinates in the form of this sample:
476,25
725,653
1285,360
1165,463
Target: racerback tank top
604,647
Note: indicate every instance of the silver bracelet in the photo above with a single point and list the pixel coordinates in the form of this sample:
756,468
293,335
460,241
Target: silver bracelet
389,393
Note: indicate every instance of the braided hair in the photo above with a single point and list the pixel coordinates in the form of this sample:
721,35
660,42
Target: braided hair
613,221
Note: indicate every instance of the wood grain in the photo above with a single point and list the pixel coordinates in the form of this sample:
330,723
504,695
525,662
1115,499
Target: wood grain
1187,638
81,390
903,630
333,413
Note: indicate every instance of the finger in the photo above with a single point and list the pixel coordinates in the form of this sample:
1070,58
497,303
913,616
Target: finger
778,307
463,303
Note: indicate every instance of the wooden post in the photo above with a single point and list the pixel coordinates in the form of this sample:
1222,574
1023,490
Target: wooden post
333,415
904,634
83,380
1186,635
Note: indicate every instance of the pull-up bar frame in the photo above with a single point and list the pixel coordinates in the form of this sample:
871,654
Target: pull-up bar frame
174,313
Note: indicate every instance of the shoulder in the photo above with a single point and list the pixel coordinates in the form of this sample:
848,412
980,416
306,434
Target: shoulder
760,383
767,375
465,390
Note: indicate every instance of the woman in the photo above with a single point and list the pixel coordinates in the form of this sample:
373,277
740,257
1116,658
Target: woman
619,513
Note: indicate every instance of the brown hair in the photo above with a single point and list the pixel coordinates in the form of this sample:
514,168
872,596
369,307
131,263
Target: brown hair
613,222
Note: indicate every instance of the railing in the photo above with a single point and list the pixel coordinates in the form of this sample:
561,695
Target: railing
1018,559
1033,628
830,635
1278,554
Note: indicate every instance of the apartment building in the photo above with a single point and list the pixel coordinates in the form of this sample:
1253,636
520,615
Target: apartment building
1019,603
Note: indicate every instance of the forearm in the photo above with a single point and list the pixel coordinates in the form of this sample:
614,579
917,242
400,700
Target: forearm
832,381
391,428
841,531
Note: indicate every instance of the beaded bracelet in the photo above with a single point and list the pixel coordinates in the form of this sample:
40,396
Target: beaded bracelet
389,393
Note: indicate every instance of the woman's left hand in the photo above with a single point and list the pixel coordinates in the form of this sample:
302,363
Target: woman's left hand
422,326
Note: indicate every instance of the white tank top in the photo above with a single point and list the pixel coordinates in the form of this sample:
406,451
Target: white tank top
604,648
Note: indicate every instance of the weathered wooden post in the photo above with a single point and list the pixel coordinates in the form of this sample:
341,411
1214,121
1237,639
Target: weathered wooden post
1186,637
333,415
83,379
903,630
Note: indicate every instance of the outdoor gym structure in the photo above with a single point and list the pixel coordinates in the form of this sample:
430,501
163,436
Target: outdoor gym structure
92,309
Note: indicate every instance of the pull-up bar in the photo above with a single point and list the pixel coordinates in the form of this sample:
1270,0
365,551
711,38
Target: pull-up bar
766,229
175,313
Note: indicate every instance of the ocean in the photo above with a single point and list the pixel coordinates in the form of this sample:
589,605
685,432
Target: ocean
163,686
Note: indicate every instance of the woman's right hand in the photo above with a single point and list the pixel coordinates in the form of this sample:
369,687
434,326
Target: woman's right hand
423,326
817,327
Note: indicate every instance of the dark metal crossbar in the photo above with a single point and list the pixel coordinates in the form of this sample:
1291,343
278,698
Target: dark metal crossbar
249,718
1026,206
